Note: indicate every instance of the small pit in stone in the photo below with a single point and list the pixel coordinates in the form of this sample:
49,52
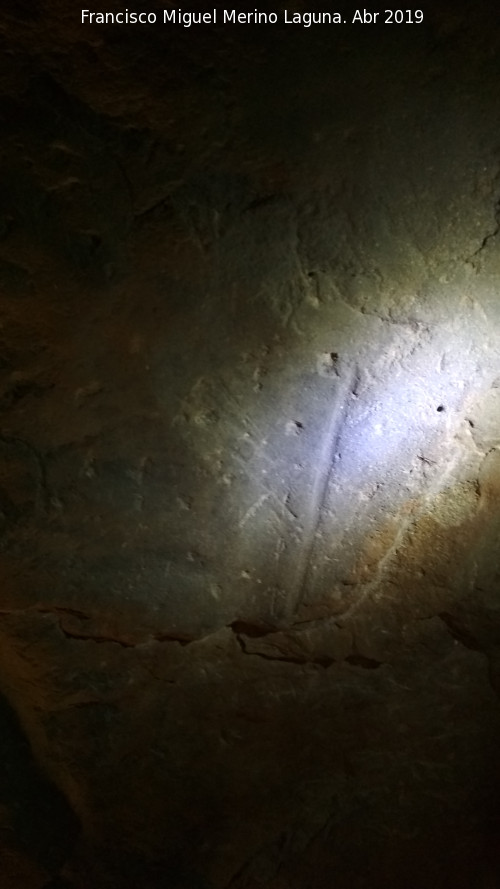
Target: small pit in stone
294,427
327,364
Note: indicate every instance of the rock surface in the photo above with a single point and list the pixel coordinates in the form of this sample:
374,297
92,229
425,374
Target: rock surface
249,454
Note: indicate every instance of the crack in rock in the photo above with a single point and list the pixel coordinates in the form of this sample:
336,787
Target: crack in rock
459,633
243,631
321,661
490,236
60,612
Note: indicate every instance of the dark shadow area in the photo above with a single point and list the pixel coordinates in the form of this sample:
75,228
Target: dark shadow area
38,816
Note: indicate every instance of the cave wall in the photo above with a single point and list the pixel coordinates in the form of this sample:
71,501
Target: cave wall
250,454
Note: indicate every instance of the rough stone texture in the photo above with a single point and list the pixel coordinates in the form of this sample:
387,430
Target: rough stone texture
249,454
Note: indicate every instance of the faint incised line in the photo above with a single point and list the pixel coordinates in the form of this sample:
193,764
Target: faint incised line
253,509
319,492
